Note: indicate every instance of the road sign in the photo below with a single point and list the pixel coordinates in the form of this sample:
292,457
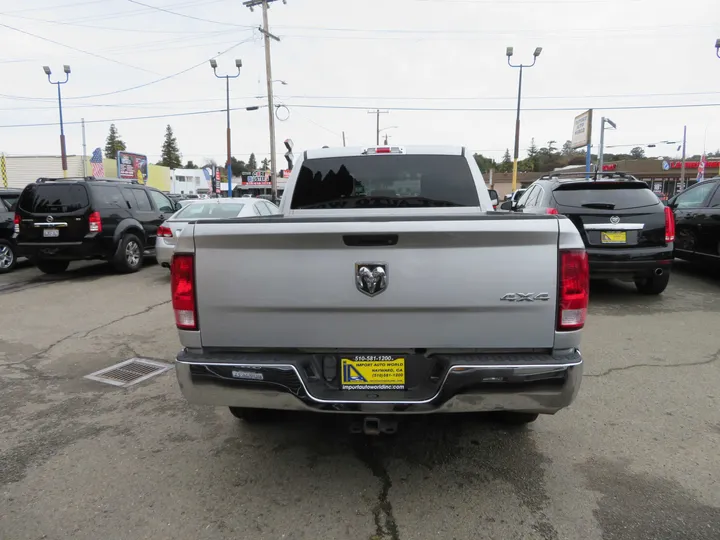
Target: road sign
582,129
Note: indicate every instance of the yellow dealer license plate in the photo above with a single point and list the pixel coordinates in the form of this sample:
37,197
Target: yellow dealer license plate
615,237
373,372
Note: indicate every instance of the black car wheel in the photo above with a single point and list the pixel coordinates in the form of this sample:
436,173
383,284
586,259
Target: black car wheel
253,416
8,259
653,285
51,266
129,255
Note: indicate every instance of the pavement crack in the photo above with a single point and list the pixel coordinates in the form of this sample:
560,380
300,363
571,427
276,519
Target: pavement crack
83,335
385,526
713,358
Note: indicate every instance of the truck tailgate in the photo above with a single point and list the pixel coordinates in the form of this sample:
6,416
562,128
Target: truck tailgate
292,283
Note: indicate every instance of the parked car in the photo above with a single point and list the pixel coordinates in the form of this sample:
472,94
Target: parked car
70,219
8,248
386,287
204,209
697,221
627,231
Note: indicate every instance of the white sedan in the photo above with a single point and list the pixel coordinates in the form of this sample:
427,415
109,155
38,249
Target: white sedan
169,231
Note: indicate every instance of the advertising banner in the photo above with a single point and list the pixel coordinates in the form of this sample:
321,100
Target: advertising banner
258,178
582,129
132,166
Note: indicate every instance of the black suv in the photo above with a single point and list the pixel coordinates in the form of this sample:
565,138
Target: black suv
697,214
628,232
8,251
72,219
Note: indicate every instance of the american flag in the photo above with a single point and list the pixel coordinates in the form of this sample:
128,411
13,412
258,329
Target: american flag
98,170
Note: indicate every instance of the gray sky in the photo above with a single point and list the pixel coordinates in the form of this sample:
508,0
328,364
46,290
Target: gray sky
420,54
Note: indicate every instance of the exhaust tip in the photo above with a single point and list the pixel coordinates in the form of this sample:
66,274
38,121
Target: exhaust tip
659,271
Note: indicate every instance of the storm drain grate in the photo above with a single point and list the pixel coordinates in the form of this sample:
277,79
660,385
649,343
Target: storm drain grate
129,372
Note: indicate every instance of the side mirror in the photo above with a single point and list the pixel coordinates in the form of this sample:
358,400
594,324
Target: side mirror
507,205
177,206
494,198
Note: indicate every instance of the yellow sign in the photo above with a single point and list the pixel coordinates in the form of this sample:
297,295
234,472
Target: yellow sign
388,373
613,237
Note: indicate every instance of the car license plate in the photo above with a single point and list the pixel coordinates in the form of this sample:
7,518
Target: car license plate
51,233
614,237
373,372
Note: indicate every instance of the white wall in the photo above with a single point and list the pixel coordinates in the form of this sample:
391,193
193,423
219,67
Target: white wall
24,170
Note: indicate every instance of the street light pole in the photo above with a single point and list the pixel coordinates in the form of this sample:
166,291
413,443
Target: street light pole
717,47
228,162
63,152
509,53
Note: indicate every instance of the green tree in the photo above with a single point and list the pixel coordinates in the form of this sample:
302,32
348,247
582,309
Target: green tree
265,165
532,155
170,154
238,167
113,143
506,163
567,149
484,163
637,153
252,163
190,165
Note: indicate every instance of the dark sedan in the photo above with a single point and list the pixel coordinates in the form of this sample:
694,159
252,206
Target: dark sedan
697,219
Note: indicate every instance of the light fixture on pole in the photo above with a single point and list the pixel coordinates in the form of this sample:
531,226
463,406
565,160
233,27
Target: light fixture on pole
58,83
717,47
603,121
228,163
509,52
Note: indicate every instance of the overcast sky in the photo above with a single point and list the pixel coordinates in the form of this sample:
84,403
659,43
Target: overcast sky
342,58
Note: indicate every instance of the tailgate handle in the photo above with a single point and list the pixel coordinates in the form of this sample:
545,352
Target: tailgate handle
368,240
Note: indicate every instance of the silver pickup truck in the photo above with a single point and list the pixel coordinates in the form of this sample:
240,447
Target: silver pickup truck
388,286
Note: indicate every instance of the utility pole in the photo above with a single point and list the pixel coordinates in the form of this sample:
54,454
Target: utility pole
378,112
268,73
682,168
343,138
84,148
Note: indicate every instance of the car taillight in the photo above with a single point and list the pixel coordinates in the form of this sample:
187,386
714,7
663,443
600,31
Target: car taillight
552,211
95,222
164,232
182,272
669,225
574,290
16,220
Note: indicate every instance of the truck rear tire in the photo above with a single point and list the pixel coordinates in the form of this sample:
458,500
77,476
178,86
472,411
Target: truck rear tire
653,285
511,418
253,416
51,266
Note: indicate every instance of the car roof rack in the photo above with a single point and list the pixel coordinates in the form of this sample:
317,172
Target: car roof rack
582,175
86,179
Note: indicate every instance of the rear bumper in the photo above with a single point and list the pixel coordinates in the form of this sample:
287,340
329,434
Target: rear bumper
164,252
533,383
629,263
69,251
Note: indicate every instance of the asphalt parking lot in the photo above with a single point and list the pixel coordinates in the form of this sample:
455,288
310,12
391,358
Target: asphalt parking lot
635,457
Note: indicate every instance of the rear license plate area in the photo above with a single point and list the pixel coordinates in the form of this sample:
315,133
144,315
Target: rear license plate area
372,372
51,233
613,237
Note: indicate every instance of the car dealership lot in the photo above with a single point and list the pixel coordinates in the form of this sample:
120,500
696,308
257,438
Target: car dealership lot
634,457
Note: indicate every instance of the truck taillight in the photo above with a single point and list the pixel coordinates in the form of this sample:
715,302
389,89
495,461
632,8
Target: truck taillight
574,290
669,225
164,232
95,222
16,221
182,287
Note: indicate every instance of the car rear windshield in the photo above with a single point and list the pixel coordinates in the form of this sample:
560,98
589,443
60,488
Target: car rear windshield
602,194
209,210
381,181
47,198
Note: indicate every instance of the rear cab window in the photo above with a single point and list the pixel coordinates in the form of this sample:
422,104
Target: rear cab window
385,181
46,198
605,195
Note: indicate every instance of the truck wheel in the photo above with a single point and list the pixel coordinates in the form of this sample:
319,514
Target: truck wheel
8,259
511,418
129,255
653,285
51,266
252,416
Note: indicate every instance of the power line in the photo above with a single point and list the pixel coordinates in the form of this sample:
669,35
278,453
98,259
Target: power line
76,49
353,107
181,14
63,6
122,14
